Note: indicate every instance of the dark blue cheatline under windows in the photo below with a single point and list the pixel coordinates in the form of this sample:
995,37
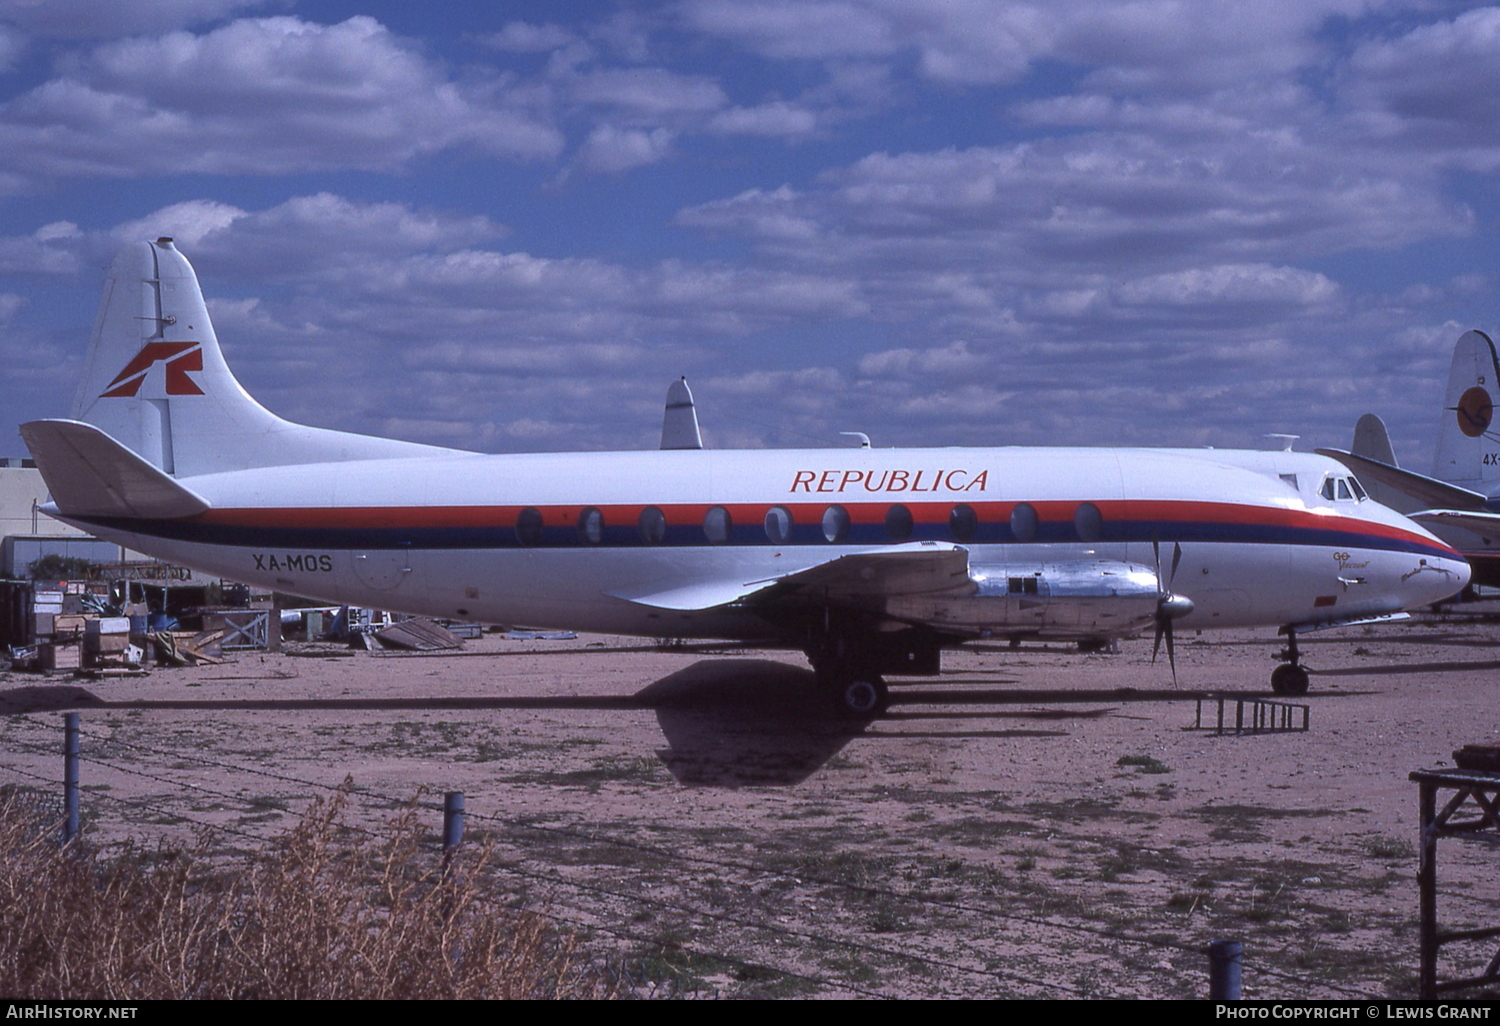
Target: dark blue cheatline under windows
294,531
778,525
898,523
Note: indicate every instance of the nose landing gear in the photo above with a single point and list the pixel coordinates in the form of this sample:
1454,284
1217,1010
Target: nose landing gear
1290,678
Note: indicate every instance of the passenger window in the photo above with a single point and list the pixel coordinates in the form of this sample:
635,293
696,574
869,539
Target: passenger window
653,525
898,523
590,526
529,527
963,522
1088,522
717,525
1023,522
778,525
835,523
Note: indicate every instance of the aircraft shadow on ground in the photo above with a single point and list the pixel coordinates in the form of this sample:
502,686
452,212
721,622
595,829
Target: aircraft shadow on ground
739,722
1406,668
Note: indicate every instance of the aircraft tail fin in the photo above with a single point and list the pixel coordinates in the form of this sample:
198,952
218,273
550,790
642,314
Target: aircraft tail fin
91,475
156,381
1372,441
1465,433
679,423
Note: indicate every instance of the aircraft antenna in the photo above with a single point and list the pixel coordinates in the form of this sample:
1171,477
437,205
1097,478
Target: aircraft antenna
864,439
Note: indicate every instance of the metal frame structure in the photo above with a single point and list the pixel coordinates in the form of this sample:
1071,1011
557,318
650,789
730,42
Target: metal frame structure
1472,813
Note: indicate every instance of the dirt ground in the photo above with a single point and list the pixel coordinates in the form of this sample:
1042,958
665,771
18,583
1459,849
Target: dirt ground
1036,822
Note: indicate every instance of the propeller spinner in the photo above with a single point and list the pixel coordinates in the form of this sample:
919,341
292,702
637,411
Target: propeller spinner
1169,607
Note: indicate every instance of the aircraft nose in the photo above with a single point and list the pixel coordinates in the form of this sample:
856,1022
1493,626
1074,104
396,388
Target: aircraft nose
1437,579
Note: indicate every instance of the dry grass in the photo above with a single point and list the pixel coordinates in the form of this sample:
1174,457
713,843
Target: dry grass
327,912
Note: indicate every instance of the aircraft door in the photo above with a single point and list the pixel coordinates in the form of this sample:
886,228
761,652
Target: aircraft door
383,569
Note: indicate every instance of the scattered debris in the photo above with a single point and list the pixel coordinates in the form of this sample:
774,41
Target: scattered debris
419,634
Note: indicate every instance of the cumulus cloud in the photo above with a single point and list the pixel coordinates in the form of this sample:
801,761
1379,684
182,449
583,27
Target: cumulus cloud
525,37
88,19
777,119
1156,44
1435,86
610,149
268,96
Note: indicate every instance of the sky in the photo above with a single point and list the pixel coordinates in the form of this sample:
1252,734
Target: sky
509,226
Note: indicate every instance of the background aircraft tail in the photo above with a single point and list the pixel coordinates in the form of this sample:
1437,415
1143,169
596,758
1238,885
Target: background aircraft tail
1465,433
156,382
1373,442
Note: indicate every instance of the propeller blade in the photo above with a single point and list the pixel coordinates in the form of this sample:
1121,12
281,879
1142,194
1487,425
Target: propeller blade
1171,650
1176,561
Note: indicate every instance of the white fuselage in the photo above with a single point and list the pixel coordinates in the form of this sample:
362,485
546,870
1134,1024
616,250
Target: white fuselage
511,539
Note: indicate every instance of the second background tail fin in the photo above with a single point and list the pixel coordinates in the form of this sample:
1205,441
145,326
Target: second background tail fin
1467,440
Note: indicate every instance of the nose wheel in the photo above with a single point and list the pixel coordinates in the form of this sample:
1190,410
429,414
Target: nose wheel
1290,678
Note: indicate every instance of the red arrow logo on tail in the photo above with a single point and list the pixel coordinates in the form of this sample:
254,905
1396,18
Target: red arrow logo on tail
128,382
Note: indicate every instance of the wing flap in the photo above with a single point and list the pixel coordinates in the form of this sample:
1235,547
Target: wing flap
91,475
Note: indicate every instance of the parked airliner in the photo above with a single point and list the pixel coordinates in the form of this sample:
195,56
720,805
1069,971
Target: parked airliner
1461,500
872,561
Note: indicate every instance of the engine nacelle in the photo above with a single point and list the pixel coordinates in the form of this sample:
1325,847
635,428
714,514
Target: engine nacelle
1104,597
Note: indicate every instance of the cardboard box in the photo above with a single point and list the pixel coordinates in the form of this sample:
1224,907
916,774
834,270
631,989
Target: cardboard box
61,657
104,644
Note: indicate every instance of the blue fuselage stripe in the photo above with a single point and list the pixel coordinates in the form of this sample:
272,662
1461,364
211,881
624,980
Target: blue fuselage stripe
747,535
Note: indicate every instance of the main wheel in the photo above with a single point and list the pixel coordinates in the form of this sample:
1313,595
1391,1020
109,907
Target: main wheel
1289,679
863,696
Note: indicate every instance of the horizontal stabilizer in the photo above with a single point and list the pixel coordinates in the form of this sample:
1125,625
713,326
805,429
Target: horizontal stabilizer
1469,520
92,475
1428,489
917,568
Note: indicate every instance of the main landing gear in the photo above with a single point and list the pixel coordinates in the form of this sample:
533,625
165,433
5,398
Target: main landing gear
1290,678
859,695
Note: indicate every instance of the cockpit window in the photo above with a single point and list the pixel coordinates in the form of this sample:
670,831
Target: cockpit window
1342,489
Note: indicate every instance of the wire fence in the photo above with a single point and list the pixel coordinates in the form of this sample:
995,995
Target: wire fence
675,916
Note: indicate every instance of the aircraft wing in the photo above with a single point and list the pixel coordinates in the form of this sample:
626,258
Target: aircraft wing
915,568
91,474
1469,520
1427,489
